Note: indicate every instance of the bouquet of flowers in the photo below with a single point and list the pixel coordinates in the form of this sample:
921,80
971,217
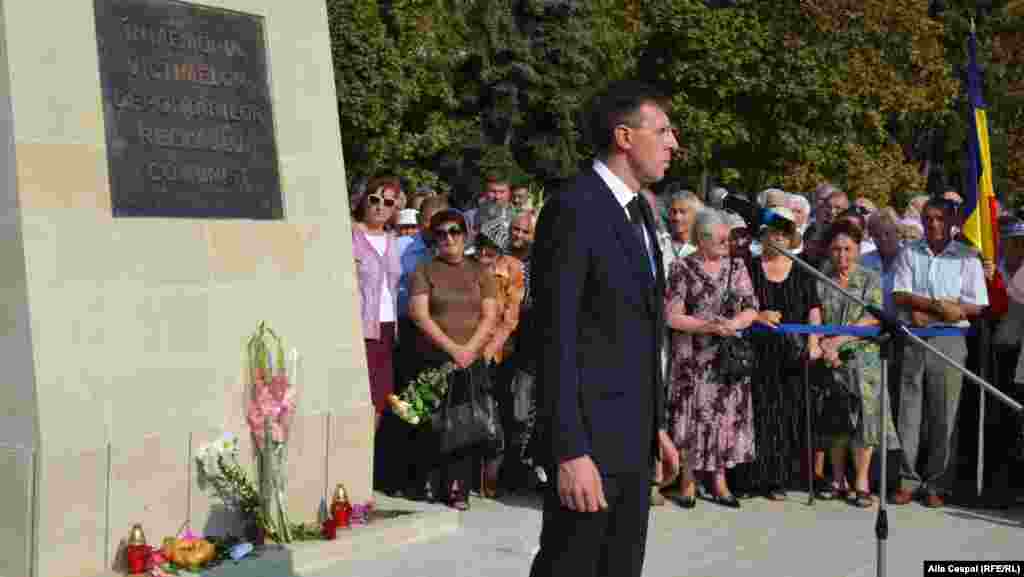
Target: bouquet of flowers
423,395
220,471
271,406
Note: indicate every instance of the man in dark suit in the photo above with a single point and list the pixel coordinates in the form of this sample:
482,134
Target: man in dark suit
599,315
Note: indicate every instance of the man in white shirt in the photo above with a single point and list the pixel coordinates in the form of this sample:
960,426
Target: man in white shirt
937,281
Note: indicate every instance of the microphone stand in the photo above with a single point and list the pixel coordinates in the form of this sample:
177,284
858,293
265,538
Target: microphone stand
893,331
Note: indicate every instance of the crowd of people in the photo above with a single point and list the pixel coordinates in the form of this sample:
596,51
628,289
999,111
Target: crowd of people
440,285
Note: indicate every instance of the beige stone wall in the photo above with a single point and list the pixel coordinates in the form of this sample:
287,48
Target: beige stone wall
134,329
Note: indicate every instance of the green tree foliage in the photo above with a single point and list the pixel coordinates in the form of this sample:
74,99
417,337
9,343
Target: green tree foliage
794,92
461,88
393,70
1000,36
789,92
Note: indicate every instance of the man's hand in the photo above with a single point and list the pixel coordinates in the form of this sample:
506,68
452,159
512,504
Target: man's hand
950,311
668,457
579,486
922,318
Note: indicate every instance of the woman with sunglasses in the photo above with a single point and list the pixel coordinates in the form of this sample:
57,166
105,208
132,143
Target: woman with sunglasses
453,304
378,267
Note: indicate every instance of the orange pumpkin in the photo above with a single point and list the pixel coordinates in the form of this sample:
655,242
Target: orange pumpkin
192,554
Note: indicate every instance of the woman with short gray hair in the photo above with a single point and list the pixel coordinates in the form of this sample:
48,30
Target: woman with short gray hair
682,211
709,299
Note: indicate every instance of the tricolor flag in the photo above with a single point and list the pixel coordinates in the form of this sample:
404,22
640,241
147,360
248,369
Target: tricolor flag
979,210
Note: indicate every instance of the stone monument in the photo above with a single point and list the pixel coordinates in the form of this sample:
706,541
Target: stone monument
172,176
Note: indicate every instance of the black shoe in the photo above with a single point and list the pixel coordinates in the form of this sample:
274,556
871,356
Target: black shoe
775,494
424,493
824,490
683,501
727,501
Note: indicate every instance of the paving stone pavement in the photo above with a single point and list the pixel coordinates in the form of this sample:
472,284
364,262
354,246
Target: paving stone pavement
784,539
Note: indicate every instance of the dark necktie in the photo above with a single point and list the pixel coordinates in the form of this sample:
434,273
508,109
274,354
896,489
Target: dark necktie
637,218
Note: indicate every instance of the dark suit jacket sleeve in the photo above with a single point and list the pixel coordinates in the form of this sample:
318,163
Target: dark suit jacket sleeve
560,259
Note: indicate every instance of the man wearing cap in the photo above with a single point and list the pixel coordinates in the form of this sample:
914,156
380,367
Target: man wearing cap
936,281
408,223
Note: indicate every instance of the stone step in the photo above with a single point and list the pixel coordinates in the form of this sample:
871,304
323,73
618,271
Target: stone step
425,522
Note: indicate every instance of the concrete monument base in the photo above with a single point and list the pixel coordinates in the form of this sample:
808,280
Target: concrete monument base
122,345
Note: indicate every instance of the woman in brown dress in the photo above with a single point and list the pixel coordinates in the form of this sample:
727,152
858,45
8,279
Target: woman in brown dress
709,298
453,304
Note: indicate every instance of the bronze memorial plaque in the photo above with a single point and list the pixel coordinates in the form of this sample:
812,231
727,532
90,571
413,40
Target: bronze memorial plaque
187,108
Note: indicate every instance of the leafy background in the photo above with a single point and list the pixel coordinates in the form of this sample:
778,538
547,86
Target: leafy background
785,93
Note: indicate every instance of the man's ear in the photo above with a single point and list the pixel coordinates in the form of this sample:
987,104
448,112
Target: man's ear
623,137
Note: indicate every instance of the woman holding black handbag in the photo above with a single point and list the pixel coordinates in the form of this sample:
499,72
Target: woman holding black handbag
708,302
452,303
848,376
787,295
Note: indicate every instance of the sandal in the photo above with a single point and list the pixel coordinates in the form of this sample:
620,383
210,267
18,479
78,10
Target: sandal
457,498
862,499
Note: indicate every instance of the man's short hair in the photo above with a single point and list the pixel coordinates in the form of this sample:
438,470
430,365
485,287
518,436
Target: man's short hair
619,104
948,207
525,212
433,204
845,227
836,192
885,216
497,179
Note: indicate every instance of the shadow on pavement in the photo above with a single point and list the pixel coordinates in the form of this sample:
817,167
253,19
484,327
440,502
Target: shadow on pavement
1013,517
522,501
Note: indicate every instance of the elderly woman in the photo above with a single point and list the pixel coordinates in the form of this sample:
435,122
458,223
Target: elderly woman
453,304
510,287
884,227
709,299
848,374
682,209
378,268
789,295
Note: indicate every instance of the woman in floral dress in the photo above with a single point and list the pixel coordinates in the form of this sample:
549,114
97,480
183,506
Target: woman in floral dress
849,375
709,298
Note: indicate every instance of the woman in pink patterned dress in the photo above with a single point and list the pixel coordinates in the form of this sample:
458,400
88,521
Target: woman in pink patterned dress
709,298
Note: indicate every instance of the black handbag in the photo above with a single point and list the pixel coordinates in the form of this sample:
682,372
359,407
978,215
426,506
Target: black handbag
468,418
838,409
735,354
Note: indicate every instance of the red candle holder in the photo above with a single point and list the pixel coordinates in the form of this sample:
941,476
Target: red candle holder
137,556
341,512
329,530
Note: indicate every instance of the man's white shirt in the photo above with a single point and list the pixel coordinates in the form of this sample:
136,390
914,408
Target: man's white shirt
623,195
954,274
